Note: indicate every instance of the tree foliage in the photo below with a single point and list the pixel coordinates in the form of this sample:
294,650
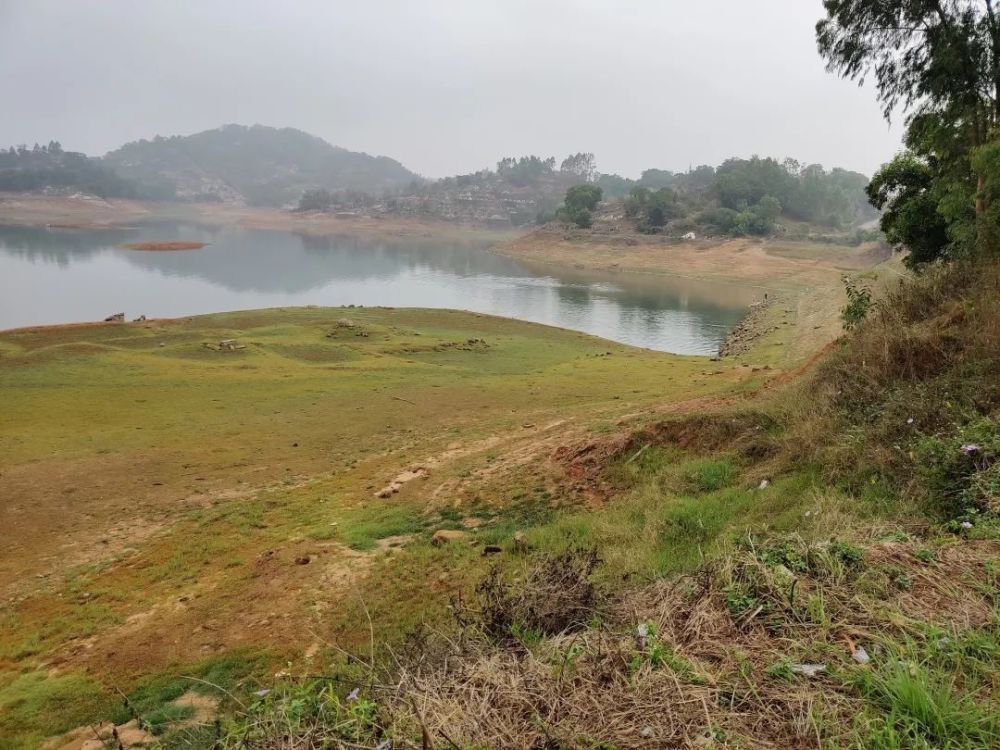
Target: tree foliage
906,192
581,165
316,200
49,166
652,209
939,62
526,169
580,202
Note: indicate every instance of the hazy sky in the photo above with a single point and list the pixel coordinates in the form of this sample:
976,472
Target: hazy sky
445,86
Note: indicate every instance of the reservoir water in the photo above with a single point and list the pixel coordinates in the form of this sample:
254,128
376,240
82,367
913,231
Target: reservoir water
62,276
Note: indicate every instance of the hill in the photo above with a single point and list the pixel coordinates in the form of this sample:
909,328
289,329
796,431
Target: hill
255,165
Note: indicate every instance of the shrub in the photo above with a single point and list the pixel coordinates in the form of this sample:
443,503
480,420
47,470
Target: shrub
859,301
555,596
960,469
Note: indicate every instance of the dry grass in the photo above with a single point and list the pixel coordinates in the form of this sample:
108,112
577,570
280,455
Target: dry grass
707,660
925,364
711,672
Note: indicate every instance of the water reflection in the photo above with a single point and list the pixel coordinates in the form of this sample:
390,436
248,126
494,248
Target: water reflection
51,276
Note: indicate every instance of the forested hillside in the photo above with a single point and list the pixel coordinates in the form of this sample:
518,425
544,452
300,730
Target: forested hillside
257,165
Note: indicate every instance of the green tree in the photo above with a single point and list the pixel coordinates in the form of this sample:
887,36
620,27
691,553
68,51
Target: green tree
657,178
526,170
759,219
652,209
580,202
906,192
939,61
316,200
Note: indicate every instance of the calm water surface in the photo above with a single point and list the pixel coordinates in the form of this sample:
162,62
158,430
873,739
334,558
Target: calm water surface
60,276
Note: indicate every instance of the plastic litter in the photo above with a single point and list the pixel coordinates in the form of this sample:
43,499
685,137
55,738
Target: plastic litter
808,670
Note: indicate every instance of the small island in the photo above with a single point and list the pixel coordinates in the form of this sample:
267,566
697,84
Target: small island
173,245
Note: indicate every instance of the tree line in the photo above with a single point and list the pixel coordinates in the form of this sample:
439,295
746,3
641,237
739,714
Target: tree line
740,196
49,166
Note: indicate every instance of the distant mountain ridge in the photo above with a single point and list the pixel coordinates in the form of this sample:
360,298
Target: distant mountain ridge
255,165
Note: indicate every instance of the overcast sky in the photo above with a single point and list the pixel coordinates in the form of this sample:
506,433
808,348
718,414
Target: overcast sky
445,86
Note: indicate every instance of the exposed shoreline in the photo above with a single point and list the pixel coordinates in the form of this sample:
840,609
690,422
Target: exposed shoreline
91,213
750,329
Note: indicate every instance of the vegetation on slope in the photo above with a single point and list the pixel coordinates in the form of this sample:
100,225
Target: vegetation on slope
818,568
259,165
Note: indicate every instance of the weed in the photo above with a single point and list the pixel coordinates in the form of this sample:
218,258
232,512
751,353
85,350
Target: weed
711,476
781,670
921,710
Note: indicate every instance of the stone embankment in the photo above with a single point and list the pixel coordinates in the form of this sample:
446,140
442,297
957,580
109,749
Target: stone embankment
753,326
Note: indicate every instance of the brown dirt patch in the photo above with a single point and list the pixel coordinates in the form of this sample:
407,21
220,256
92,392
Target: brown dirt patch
101,737
174,245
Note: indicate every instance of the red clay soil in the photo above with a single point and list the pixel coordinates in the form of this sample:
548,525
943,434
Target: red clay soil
164,245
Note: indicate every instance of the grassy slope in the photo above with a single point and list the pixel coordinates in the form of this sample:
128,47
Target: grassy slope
163,490
878,529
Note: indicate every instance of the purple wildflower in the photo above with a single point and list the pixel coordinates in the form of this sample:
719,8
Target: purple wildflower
353,695
966,524
261,693
969,448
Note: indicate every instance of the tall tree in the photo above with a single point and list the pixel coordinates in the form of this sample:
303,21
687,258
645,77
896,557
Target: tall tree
582,165
926,55
939,62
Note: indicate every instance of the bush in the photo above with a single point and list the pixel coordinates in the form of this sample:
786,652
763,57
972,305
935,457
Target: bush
652,209
961,470
315,200
722,220
555,596
895,403
580,201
